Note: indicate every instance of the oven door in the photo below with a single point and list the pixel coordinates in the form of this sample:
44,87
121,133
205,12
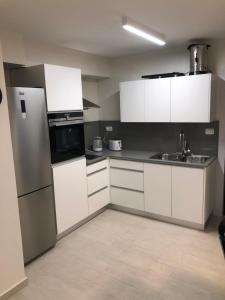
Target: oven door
66,140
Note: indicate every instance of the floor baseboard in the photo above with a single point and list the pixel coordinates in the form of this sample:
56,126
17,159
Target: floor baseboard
14,289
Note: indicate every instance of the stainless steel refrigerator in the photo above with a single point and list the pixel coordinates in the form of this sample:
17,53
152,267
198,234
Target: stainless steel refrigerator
31,150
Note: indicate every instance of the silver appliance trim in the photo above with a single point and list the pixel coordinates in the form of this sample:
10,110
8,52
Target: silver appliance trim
65,123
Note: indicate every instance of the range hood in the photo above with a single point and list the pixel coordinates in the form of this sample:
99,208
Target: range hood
88,104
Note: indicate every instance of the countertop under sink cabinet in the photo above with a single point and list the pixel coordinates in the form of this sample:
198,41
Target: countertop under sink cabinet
70,187
177,99
183,194
62,85
98,185
193,192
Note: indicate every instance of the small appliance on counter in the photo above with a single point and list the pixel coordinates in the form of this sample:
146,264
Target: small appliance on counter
97,144
115,145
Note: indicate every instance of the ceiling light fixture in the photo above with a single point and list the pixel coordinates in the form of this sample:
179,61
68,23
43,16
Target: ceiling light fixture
143,32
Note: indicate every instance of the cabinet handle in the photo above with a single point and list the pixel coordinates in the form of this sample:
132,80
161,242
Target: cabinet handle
0,96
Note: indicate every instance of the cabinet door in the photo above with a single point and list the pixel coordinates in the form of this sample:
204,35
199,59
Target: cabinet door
190,98
157,189
127,198
187,194
70,188
132,101
98,200
63,88
157,100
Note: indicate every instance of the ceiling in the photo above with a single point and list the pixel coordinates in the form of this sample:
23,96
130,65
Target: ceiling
94,26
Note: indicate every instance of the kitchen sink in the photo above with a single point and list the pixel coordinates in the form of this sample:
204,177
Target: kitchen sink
178,157
197,159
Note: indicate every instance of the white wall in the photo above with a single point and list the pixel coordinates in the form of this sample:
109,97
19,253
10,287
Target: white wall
22,50
11,256
217,65
132,67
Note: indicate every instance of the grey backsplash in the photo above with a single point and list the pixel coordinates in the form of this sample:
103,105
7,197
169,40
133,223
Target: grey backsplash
91,129
160,137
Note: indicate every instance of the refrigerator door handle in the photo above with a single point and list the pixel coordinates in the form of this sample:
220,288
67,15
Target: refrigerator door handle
0,96
23,109
23,106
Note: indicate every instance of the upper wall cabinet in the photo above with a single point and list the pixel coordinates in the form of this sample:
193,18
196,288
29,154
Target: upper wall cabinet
157,100
178,99
63,88
192,98
62,85
132,101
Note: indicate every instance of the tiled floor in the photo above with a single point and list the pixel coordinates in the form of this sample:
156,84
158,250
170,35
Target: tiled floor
126,257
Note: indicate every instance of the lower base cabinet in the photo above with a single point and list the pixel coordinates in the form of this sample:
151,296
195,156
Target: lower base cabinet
98,200
157,189
127,198
70,187
188,194
182,193
98,186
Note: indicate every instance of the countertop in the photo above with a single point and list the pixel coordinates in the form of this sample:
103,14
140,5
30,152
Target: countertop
143,156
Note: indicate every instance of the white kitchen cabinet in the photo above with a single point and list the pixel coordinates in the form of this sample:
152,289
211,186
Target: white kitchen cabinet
132,101
127,179
192,98
98,200
63,88
188,194
70,187
126,164
98,180
182,99
127,198
62,85
157,100
98,186
157,189
127,183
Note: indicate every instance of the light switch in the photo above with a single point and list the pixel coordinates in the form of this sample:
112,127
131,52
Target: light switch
209,131
108,128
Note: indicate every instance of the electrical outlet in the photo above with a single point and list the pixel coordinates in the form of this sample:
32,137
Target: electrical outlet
209,131
108,128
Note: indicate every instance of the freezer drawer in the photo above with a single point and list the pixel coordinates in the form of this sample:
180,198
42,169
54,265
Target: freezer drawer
38,225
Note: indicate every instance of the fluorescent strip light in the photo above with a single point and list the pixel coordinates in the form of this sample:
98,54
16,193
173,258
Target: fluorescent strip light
146,34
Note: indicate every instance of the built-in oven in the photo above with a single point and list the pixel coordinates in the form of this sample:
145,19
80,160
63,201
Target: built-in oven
66,131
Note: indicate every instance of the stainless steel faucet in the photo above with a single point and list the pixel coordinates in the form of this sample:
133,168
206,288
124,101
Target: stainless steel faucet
184,146
181,142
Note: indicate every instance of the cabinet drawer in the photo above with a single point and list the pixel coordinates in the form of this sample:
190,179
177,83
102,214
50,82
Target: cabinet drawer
97,181
131,199
125,164
97,166
98,200
127,179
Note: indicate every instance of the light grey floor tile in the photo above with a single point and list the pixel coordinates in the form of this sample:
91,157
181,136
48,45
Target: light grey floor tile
126,257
